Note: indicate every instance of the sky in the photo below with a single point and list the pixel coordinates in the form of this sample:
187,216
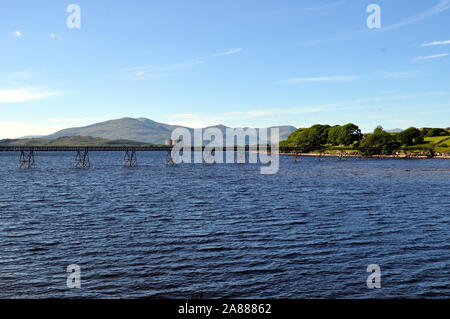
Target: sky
197,63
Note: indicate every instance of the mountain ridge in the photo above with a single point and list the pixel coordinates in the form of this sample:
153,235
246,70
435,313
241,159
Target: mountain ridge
140,129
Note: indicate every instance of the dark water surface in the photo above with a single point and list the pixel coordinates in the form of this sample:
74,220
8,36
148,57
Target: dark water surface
225,230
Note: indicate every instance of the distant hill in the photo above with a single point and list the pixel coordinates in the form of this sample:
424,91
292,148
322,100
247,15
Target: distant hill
70,141
32,136
139,129
395,130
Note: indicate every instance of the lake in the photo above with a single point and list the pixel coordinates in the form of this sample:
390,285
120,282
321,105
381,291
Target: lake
225,230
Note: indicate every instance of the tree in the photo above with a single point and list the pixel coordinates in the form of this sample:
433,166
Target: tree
410,136
308,139
380,142
436,132
349,133
344,135
333,134
320,131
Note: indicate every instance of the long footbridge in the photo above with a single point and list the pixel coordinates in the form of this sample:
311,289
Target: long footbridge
27,153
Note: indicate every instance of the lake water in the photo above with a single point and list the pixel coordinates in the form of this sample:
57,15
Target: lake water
309,231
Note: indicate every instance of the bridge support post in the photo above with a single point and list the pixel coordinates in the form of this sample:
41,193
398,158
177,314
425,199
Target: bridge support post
241,156
26,160
342,156
82,159
321,156
169,160
130,159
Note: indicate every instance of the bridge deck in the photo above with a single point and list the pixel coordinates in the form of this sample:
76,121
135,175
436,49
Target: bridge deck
78,148
168,148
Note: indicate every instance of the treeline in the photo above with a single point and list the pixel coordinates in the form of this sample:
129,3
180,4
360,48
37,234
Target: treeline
382,142
314,137
379,142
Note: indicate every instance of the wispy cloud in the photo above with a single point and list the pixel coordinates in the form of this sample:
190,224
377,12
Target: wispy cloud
261,117
429,57
229,52
151,71
323,79
239,118
397,97
326,6
17,34
376,74
396,74
442,6
435,43
55,36
17,78
16,95
14,129
170,67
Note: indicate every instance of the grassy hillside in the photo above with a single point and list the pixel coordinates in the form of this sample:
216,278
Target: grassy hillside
70,141
435,139
440,144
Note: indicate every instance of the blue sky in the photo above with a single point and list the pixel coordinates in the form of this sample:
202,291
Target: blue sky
240,63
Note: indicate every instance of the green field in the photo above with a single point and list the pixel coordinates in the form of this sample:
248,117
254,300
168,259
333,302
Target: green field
430,142
435,139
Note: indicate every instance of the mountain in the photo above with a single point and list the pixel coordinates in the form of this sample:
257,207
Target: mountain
70,141
395,130
31,136
139,129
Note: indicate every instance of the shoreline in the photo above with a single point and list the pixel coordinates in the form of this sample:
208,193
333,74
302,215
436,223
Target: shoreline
400,156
